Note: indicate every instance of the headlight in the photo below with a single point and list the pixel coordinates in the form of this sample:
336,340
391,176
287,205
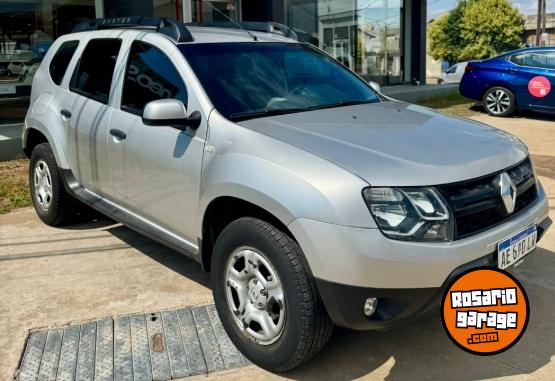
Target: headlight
412,214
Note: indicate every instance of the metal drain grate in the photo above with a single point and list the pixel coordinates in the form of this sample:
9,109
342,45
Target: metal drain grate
157,346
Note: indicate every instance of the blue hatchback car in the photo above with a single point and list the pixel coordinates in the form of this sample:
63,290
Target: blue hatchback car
519,80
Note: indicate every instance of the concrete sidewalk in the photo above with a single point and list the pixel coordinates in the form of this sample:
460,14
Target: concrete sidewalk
51,277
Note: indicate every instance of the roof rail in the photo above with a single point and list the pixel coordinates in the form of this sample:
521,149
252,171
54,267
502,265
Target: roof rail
174,29
266,27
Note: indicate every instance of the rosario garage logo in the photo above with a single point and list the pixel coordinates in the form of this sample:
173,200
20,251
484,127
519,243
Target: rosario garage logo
485,311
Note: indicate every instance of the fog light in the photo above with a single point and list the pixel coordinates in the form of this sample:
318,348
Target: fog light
370,306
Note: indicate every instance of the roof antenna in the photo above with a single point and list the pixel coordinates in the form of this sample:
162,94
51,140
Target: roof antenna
230,19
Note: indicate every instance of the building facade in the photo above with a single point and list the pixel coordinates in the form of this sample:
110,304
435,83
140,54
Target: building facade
382,40
531,26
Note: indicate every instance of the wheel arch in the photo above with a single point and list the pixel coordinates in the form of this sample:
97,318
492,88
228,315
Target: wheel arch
225,209
34,134
499,84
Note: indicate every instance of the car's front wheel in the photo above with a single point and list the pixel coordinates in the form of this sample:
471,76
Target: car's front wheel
52,203
266,296
499,101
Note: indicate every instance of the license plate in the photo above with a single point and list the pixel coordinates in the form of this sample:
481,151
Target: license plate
513,249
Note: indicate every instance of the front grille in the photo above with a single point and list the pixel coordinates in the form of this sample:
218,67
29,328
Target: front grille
477,204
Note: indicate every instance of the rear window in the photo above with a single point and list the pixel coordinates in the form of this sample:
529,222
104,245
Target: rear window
61,59
92,77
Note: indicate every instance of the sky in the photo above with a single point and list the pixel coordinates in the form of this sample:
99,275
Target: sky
527,7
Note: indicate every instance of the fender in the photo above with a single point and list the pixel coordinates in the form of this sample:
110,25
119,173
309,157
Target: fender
284,180
34,124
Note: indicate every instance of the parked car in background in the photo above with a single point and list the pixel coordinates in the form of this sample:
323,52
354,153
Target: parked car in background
18,68
518,80
452,75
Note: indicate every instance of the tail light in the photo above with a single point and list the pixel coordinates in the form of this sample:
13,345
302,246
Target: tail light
470,68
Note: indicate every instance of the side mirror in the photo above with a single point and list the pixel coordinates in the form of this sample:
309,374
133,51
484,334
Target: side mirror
375,86
170,112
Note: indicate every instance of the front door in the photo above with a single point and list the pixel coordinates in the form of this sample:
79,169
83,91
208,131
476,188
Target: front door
156,170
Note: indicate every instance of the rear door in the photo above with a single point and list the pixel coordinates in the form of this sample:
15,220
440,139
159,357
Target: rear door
85,110
533,77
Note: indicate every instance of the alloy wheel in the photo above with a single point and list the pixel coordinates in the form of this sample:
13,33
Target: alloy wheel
498,102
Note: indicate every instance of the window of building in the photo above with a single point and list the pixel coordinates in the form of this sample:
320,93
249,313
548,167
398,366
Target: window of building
150,76
93,76
363,35
27,30
61,60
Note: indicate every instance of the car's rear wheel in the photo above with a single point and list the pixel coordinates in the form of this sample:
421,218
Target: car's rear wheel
52,203
499,101
266,296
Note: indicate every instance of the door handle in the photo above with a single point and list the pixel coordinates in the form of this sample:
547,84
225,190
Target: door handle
66,113
118,134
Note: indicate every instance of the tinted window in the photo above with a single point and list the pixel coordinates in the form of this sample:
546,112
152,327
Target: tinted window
541,60
150,76
248,80
61,59
93,75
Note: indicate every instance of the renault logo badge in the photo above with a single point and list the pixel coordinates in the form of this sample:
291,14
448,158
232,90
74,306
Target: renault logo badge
508,192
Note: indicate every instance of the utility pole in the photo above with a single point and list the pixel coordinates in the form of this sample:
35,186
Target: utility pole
544,21
539,22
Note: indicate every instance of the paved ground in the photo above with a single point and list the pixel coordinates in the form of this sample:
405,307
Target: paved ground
52,277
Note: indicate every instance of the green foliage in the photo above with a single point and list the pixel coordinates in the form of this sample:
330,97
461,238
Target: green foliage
445,37
476,29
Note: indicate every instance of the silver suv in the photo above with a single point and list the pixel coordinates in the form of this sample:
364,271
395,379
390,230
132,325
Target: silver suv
312,199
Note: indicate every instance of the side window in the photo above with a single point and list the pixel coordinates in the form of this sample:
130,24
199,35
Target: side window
518,59
93,75
150,75
550,60
61,59
452,69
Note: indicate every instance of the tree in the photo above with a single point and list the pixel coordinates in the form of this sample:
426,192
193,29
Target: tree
476,29
445,38
489,28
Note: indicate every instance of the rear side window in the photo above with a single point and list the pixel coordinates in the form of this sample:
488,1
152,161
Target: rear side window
60,61
92,77
150,76
541,60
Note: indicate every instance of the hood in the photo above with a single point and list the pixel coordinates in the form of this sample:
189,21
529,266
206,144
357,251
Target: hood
397,144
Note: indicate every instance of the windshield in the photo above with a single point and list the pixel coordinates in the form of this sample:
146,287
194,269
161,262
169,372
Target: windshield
250,80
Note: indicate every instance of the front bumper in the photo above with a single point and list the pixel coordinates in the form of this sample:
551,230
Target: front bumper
395,306
352,264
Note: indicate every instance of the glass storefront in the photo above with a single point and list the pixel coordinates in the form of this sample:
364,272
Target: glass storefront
27,29
214,10
365,35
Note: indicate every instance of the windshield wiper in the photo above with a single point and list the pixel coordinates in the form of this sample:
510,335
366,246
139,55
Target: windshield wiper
342,104
259,114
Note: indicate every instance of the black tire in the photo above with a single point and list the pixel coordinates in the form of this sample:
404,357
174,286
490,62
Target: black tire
506,105
307,326
62,207
9,73
441,82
